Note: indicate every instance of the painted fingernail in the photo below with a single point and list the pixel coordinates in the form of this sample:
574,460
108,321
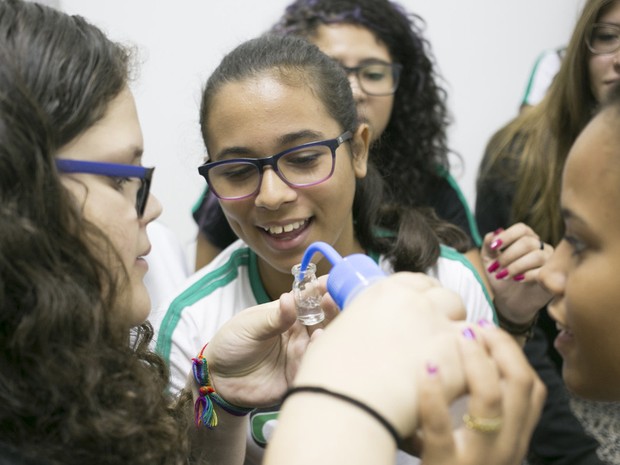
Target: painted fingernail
498,230
519,277
432,369
483,323
496,244
501,274
469,334
493,267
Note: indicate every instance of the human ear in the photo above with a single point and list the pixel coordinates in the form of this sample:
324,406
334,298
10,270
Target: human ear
360,146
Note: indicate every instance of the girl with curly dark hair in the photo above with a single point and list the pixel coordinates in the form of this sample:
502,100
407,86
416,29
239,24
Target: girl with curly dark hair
397,91
78,381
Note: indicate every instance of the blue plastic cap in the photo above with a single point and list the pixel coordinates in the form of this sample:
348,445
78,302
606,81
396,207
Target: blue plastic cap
350,276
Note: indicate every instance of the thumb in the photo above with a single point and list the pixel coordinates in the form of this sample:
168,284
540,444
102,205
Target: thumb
271,319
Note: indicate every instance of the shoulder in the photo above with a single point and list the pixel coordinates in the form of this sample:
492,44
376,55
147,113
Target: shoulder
450,204
454,271
208,298
544,70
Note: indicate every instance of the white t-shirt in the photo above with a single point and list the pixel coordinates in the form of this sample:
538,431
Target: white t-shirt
231,283
546,67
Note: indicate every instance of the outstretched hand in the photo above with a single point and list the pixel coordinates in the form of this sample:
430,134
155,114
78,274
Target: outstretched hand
254,357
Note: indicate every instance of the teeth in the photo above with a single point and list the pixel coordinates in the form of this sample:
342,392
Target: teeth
286,228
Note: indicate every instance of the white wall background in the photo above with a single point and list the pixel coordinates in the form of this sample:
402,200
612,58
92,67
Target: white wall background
484,49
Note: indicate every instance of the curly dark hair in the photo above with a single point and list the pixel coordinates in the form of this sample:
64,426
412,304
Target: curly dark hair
73,389
415,136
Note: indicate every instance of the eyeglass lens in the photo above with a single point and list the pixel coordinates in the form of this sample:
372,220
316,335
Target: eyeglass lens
376,78
301,167
604,38
142,195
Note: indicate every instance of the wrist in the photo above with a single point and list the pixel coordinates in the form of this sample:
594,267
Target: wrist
208,402
347,402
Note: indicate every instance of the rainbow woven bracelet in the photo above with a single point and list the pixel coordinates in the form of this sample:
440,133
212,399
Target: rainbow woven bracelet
204,412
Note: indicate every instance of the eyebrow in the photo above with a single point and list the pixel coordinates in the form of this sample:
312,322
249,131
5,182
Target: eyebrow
137,153
374,61
134,151
305,135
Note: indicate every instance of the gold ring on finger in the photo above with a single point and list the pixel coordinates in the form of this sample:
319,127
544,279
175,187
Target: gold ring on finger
483,425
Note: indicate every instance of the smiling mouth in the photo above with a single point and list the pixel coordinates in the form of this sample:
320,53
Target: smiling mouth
287,228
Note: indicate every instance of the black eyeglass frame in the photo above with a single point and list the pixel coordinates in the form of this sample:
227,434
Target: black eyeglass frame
396,69
144,174
272,161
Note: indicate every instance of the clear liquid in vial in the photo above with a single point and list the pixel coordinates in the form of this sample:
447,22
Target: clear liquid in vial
307,296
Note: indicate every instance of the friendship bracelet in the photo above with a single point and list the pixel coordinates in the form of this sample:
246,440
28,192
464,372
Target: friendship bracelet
377,416
204,412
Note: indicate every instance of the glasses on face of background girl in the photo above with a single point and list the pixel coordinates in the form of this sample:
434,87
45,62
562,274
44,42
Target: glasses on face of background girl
603,39
376,77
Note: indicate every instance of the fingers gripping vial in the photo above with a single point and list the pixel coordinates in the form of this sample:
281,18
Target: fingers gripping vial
346,279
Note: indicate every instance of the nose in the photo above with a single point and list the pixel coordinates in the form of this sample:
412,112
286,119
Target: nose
153,209
552,275
273,191
617,58
358,94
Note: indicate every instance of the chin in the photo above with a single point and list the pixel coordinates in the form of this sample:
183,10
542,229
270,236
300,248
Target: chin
138,305
141,309
587,388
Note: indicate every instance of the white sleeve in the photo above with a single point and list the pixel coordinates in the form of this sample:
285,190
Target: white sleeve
186,343
456,273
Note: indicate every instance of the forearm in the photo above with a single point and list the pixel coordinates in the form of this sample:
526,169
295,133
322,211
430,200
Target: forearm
223,445
332,432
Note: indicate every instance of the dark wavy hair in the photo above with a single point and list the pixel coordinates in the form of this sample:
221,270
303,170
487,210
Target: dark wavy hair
413,147
73,390
298,62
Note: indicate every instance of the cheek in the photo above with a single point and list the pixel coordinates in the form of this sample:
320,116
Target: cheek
593,311
597,68
121,230
379,113
237,213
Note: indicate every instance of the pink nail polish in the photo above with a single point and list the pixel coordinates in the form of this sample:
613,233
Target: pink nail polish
493,267
519,277
501,274
498,230
485,323
432,369
496,244
469,334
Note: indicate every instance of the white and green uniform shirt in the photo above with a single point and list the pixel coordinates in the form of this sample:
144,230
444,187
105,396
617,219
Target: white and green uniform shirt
231,283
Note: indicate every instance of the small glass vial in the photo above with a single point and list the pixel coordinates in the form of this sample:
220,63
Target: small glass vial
307,295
